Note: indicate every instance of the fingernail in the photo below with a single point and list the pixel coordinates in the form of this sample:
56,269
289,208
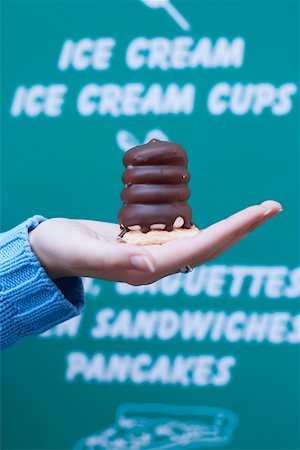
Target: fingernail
142,263
267,212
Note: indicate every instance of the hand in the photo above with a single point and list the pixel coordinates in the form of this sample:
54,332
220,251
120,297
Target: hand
68,247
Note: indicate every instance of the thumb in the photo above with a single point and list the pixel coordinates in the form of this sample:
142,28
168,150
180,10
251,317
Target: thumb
120,256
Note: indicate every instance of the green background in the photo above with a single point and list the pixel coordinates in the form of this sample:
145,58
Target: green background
70,166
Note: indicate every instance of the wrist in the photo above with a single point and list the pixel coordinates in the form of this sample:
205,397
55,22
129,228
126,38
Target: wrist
47,260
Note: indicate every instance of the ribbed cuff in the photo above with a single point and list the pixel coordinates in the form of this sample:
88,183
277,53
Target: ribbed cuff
30,302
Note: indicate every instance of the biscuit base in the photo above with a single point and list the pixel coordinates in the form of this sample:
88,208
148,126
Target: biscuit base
158,237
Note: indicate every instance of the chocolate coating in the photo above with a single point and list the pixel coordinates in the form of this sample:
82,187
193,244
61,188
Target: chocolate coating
140,193
155,190
155,175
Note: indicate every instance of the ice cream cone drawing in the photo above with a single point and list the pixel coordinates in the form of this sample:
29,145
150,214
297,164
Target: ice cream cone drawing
171,10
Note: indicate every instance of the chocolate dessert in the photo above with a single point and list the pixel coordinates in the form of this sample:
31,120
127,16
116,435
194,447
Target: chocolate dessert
155,191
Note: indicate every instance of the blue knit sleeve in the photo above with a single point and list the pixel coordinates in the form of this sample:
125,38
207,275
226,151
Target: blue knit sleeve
30,302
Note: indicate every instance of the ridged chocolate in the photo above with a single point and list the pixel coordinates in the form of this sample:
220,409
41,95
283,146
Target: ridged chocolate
155,190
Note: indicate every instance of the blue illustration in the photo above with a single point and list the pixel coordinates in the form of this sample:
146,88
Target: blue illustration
158,427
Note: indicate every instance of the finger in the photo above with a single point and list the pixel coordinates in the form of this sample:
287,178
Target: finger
212,256
272,206
270,212
181,252
220,250
106,257
241,222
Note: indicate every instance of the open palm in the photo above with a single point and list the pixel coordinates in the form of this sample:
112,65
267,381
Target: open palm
67,247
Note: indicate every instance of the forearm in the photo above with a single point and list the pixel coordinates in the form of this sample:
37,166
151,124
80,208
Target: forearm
30,302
